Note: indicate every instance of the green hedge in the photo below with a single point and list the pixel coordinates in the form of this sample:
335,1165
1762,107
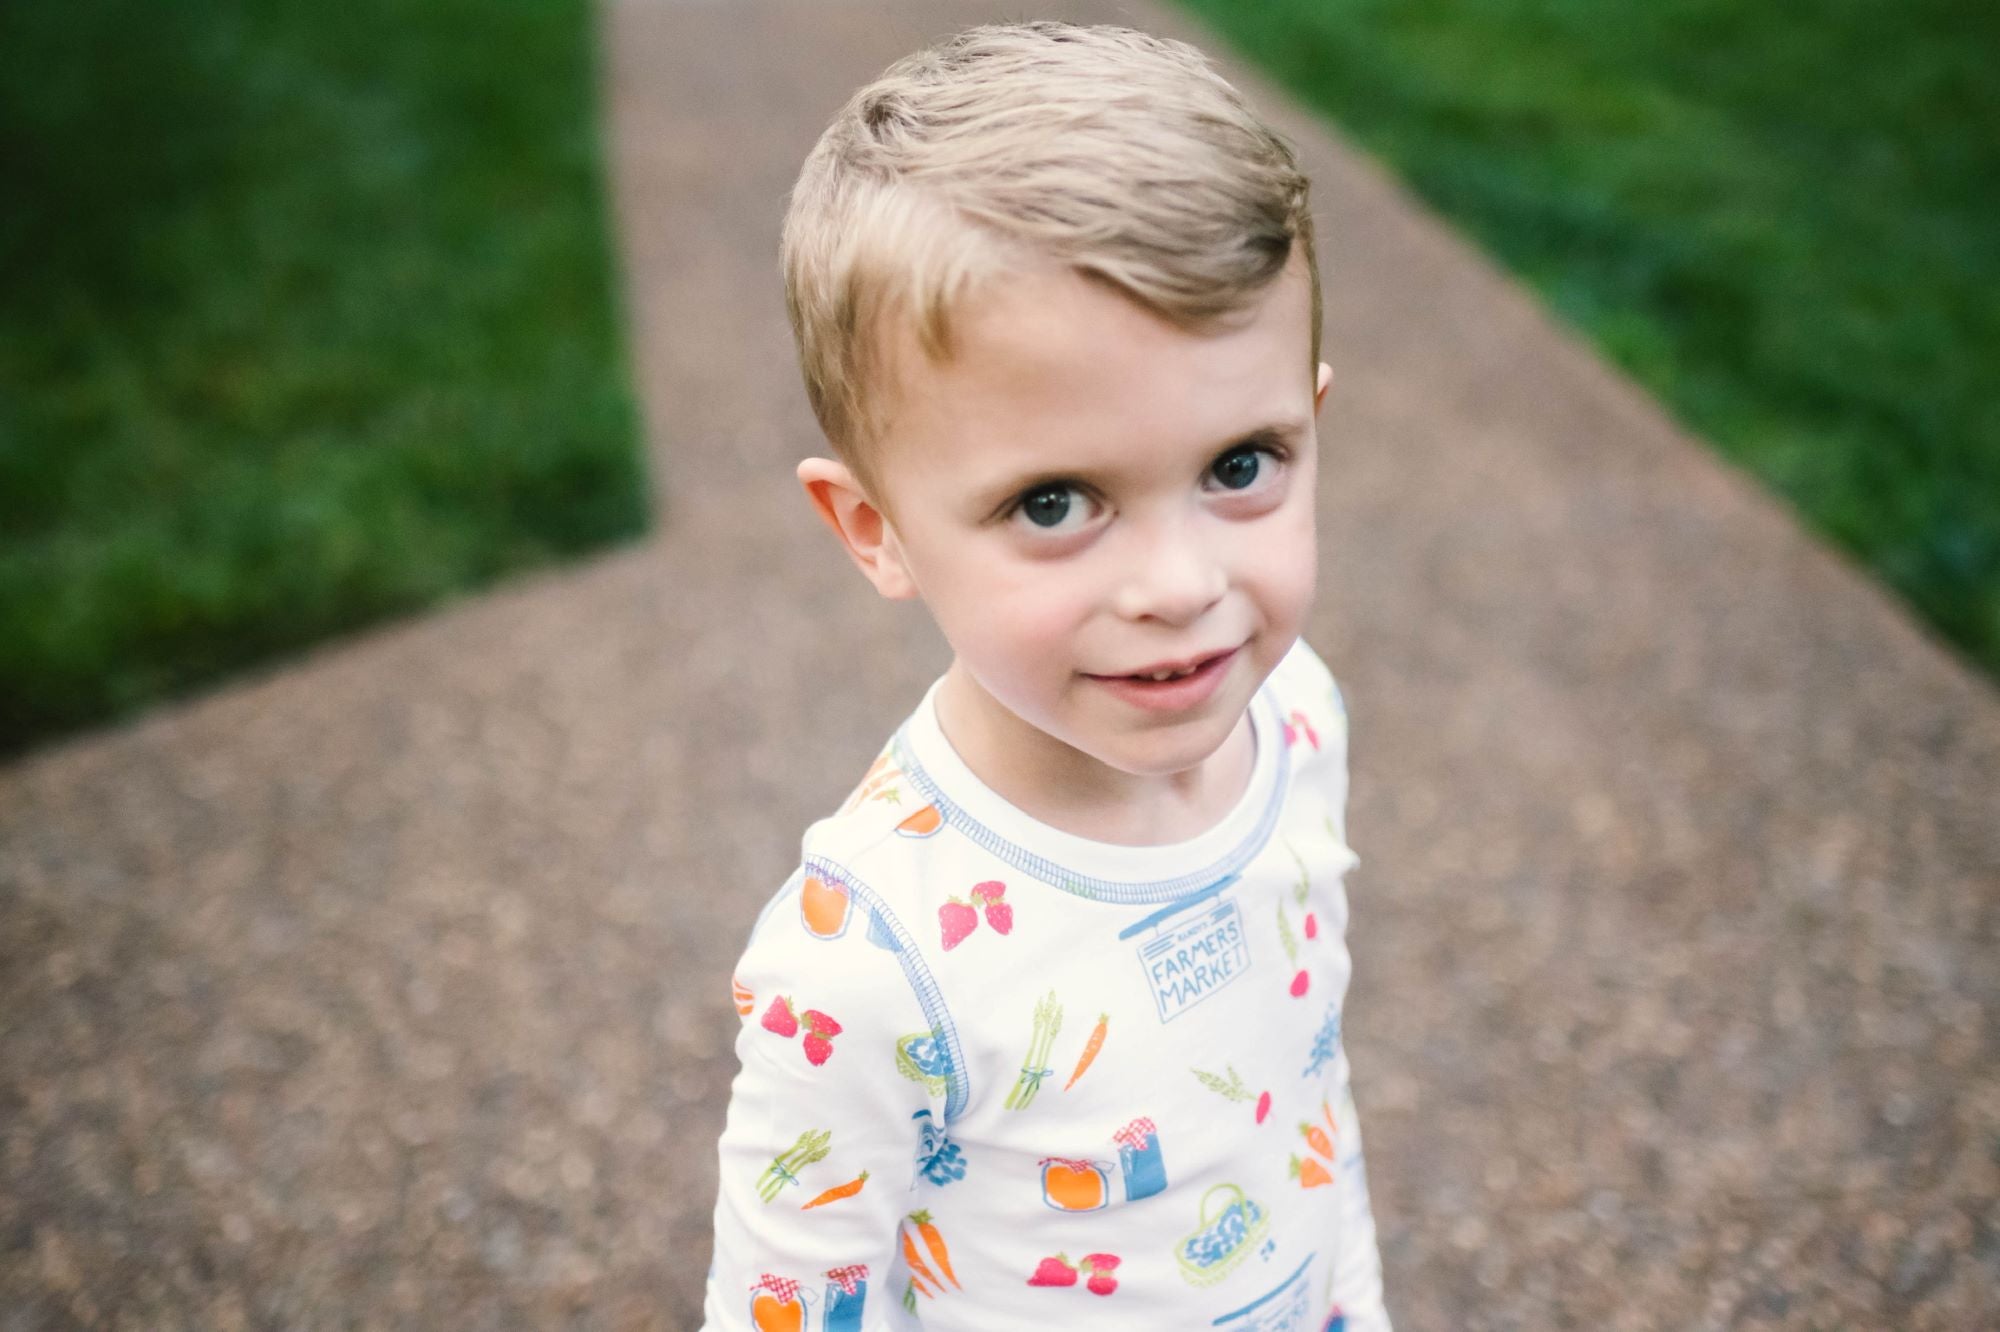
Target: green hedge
308,320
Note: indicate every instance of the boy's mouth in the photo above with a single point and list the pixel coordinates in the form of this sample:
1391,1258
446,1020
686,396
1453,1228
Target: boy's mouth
1161,672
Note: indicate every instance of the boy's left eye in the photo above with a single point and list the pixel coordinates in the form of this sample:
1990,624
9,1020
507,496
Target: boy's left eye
1238,468
1243,467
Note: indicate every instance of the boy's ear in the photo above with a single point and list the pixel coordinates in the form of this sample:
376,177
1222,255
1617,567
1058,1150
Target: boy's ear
1319,389
864,531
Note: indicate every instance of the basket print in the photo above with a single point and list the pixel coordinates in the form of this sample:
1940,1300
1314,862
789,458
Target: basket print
1231,1228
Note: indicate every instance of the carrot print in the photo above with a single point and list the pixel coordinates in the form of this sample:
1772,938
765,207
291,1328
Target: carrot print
921,1276
935,1243
1090,1049
1317,1140
878,778
837,1192
1309,1173
1332,1129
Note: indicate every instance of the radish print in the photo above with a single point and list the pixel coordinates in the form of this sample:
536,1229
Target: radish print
1303,979
1233,1088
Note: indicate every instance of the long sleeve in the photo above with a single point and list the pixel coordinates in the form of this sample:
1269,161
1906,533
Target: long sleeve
1357,1268
820,1151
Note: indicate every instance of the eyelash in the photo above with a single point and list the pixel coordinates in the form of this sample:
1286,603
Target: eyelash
1271,451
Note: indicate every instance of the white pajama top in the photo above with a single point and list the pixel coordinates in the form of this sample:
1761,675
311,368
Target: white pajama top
995,1075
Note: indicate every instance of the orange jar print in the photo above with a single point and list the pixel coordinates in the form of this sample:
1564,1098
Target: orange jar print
823,907
922,823
1074,1186
776,1306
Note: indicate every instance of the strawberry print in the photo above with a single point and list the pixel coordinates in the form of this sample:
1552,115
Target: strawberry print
780,1019
957,919
820,1031
999,914
1054,1271
1058,1271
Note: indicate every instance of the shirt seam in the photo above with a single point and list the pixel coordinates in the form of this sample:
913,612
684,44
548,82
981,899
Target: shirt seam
916,973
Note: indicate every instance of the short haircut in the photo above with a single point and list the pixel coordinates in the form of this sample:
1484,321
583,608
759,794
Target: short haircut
1118,155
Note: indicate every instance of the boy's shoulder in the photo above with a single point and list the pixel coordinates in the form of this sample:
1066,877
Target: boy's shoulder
1302,676
888,845
886,810
1308,699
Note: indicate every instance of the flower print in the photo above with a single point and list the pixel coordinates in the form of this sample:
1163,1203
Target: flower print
939,1159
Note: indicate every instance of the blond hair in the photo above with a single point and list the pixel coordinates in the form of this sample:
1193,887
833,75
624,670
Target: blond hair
1115,154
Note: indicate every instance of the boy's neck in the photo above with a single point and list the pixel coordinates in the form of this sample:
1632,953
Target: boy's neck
1067,789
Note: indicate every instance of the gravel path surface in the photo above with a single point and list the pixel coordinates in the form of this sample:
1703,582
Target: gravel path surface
389,990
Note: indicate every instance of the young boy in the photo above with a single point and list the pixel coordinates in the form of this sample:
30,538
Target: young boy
1045,1030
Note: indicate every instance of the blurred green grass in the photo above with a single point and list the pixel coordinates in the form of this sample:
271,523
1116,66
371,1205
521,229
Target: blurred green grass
1783,219
306,320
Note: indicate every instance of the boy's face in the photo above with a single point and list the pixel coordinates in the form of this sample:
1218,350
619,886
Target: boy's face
1085,495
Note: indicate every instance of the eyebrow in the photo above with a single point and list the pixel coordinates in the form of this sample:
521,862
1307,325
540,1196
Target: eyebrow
995,497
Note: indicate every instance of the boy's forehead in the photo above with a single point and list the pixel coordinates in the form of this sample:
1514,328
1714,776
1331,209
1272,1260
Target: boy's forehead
1053,361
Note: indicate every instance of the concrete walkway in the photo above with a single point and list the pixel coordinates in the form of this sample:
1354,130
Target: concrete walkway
389,990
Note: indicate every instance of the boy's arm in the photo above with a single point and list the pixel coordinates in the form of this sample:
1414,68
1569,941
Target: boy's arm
1357,1264
1357,1269
818,1157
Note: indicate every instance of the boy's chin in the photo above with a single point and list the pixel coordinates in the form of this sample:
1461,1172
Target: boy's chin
1169,751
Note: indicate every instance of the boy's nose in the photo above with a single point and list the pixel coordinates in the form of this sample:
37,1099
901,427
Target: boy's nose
1174,580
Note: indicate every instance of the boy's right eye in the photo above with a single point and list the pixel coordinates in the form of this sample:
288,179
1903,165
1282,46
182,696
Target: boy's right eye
1053,508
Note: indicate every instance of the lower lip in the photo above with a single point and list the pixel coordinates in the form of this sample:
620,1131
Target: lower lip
1189,691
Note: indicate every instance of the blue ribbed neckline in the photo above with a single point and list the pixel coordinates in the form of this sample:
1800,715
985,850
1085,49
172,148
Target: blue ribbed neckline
971,809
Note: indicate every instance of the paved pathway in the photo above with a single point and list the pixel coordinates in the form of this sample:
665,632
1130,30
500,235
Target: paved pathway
389,990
